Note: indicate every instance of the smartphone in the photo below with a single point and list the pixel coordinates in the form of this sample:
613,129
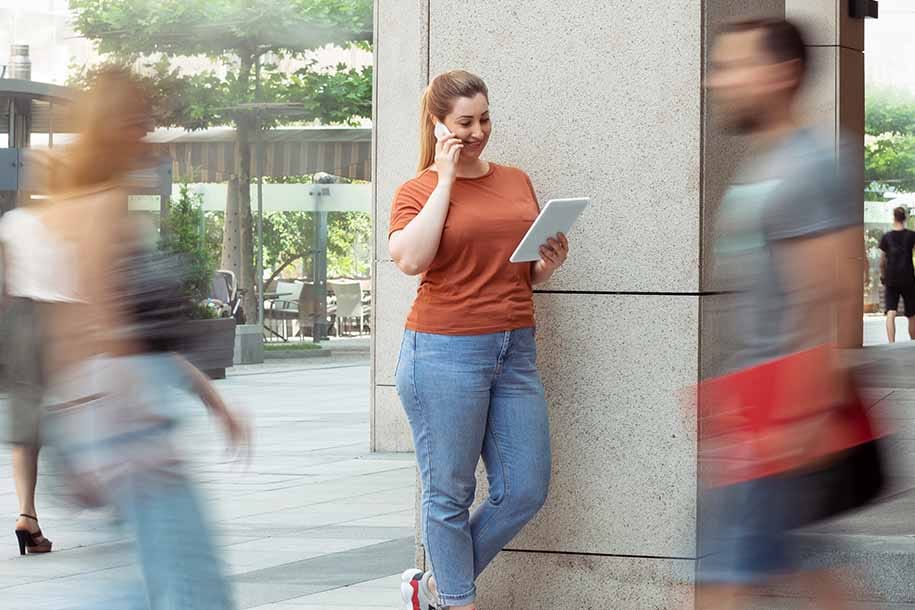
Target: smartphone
441,131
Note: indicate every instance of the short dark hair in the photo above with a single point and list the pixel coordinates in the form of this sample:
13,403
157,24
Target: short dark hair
900,214
782,38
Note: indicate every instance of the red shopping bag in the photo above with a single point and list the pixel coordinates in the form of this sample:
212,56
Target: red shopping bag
781,416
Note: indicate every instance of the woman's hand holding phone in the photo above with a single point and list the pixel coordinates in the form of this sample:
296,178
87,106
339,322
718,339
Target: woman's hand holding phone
447,153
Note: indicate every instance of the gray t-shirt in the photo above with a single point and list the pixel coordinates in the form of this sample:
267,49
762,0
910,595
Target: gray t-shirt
795,190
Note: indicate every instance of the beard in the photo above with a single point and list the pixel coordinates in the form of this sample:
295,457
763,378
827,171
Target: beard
742,125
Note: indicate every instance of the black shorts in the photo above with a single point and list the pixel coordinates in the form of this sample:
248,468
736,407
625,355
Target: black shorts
908,296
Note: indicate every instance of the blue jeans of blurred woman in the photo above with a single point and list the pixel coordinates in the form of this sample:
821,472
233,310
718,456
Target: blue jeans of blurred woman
117,442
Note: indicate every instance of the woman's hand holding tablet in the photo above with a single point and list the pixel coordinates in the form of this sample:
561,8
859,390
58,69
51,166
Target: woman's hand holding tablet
557,218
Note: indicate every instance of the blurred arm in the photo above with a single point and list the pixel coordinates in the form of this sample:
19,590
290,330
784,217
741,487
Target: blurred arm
820,286
816,278
204,389
201,386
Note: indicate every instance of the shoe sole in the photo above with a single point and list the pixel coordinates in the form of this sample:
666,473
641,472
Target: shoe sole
406,590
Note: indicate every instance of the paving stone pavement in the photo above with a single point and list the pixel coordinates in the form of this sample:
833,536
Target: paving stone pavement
314,522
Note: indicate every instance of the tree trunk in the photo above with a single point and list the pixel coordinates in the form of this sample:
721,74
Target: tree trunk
231,236
245,218
238,235
238,238
279,270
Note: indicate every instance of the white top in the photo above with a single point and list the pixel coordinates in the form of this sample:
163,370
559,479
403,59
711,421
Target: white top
36,264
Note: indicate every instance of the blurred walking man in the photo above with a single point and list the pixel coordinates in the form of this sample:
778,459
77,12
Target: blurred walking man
784,224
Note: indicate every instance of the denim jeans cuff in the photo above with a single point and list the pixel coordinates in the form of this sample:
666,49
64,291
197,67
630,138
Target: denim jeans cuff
458,600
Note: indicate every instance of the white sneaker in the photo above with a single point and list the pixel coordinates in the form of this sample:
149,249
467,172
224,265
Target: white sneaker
415,591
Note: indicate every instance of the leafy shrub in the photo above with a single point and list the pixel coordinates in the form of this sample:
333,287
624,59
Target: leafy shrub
183,236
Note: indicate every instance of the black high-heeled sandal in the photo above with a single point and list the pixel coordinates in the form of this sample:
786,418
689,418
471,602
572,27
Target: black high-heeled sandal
32,542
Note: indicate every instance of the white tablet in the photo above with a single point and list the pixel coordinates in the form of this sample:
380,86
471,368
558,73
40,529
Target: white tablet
557,216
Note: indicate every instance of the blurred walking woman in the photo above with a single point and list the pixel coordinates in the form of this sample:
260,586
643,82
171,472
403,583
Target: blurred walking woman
115,390
467,374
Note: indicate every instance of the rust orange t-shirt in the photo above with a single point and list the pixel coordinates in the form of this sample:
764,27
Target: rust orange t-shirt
471,288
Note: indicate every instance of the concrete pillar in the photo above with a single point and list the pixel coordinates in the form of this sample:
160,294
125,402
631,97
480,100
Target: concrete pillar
835,101
401,73
602,99
597,99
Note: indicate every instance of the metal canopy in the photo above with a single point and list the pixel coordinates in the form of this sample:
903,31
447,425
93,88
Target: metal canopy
14,87
49,107
211,155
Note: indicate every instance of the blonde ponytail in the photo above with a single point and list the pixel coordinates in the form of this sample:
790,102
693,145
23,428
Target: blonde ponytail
437,101
426,134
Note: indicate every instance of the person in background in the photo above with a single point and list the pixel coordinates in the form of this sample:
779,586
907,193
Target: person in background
29,285
897,273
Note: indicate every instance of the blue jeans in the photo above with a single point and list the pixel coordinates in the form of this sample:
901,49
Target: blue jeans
178,559
467,397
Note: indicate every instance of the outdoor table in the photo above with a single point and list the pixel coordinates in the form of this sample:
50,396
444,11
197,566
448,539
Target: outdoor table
273,297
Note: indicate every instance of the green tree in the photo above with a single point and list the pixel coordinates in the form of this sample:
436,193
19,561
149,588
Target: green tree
890,162
348,243
889,111
185,238
288,239
889,157
246,39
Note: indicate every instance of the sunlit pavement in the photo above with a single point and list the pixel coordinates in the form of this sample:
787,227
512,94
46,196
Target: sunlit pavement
318,523
315,521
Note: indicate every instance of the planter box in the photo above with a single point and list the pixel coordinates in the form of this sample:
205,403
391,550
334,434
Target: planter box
210,345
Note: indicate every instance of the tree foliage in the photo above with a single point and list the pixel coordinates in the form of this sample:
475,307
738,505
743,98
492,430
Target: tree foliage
348,243
132,29
184,237
289,238
245,41
890,155
202,100
890,161
889,111
289,241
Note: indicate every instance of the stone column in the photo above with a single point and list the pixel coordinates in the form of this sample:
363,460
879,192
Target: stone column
835,101
599,99
604,100
401,74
